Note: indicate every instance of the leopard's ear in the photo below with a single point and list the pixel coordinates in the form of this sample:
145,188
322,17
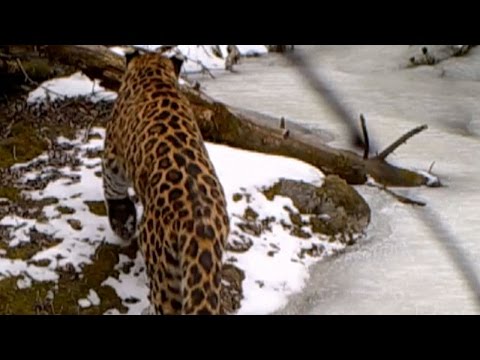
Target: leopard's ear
129,56
177,61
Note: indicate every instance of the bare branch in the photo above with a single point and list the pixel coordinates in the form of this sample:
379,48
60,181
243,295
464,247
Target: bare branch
232,58
403,139
27,78
401,198
365,137
204,69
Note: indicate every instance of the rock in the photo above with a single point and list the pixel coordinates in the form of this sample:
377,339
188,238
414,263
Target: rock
231,291
75,224
337,208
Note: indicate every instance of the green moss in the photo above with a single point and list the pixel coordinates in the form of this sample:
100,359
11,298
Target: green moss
97,207
94,153
75,224
271,192
337,190
10,193
298,232
70,289
22,145
297,224
27,250
320,226
65,210
37,68
41,263
250,214
237,197
47,201
57,130
296,219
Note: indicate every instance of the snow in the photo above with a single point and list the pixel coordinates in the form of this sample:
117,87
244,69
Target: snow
80,85
24,283
203,54
274,267
84,303
9,268
270,278
75,85
401,267
92,299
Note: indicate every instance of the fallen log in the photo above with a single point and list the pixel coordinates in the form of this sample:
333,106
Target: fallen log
238,128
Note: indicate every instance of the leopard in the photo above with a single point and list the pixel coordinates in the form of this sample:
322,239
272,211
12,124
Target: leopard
154,145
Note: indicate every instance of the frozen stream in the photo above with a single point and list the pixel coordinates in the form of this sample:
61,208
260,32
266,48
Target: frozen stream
401,268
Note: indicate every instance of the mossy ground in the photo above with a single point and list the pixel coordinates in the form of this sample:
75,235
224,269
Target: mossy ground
65,210
24,137
10,192
68,290
28,138
23,144
97,207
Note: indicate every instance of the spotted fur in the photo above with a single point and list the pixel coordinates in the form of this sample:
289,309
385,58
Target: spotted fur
153,143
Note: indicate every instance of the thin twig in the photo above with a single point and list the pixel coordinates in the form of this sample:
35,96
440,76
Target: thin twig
165,48
27,78
383,155
204,69
205,50
233,57
366,151
50,91
87,131
431,168
401,198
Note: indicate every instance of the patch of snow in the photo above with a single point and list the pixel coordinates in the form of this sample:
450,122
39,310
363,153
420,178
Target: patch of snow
131,286
79,84
93,297
12,268
24,283
432,180
118,50
203,54
21,228
84,303
75,85
112,312
252,50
